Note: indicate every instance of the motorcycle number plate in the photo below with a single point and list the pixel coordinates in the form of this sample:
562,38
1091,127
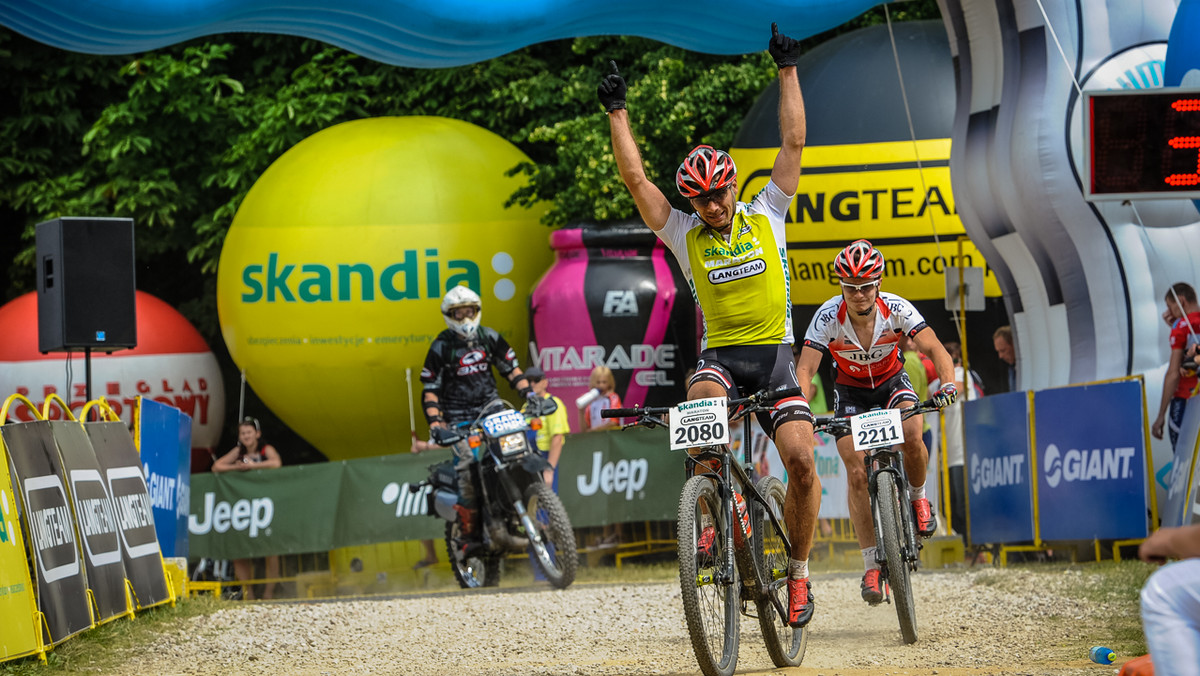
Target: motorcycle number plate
873,429
700,422
504,422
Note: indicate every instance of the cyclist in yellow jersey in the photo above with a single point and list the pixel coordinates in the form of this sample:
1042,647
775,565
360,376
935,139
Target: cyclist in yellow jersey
733,255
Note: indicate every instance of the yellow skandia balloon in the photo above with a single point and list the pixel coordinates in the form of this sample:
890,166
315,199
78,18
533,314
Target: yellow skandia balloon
332,273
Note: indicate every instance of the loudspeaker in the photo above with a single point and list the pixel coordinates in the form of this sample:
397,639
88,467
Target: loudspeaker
85,284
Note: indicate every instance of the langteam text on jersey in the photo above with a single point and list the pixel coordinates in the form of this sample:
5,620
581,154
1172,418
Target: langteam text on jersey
865,366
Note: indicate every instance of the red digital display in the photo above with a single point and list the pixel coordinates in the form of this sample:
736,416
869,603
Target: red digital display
1142,144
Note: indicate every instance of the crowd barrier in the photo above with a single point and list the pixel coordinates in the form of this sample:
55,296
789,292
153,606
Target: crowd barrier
74,493
1067,464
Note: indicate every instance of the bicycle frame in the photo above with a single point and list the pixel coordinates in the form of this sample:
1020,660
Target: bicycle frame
890,460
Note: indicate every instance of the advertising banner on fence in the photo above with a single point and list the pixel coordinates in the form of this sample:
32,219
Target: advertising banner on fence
1091,458
999,475
289,510
613,477
122,471
61,586
18,633
376,505
829,467
95,518
168,472
1179,507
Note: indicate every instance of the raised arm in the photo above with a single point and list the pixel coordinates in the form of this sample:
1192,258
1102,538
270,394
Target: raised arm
793,128
651,203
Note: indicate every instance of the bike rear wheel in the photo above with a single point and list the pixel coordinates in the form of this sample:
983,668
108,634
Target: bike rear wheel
555,554
709,585
785,643
891,529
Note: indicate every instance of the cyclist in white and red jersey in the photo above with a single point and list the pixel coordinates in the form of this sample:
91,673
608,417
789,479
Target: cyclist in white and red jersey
860,330
734,256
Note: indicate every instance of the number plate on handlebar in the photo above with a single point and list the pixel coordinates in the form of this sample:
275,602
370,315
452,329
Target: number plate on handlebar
877,428
700,422
504,422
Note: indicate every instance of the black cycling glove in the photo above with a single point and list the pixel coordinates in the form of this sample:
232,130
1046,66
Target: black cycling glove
612,90
785,50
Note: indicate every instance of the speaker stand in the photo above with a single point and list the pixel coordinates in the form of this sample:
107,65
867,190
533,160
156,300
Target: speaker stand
87,377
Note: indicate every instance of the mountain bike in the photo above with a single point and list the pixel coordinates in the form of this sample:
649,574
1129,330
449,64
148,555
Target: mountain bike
898,549
732,541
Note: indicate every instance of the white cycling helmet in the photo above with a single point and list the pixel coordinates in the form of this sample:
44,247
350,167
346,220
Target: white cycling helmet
459,297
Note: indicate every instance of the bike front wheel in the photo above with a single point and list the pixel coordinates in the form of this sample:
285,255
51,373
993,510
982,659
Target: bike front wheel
785,643
707,580
891,529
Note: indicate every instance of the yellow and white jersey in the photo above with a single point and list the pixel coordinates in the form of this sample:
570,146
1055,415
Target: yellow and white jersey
741,285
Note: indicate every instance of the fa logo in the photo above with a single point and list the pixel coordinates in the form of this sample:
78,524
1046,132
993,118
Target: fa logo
620,303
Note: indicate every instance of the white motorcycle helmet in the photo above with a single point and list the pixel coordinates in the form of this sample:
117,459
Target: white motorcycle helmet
462,297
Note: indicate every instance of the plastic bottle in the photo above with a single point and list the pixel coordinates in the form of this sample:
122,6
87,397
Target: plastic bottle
587,398
1101,655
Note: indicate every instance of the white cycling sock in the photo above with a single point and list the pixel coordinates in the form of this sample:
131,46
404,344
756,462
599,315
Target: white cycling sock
869,562
916,492
798,570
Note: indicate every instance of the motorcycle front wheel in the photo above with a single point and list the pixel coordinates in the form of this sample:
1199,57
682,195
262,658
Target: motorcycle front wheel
555,553
472,566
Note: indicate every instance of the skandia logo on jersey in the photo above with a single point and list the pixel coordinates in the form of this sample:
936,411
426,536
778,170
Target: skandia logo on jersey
743,271
410,278
1097,464
739,249
474,361
1006,470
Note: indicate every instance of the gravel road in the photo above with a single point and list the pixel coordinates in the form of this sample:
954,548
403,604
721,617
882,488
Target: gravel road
978,621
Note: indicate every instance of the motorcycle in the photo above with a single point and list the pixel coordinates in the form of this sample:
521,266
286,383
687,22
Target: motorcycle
517,510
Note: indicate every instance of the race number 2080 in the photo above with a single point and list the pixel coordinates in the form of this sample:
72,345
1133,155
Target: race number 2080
700,422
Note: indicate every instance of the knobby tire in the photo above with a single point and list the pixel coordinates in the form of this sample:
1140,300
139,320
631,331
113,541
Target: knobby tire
891,529
712,608
785,644
558,540
481,569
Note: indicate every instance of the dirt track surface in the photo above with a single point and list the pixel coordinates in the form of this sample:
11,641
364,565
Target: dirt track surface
969,622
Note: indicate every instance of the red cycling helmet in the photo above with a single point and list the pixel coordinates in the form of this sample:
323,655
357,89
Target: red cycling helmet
705,170
860,260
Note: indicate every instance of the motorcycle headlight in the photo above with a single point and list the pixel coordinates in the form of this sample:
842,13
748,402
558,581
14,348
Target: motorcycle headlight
512,444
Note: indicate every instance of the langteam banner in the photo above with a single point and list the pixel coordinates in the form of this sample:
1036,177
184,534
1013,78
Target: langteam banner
1091,462
168,471
61,585
999,472
18,633
95,517
121,469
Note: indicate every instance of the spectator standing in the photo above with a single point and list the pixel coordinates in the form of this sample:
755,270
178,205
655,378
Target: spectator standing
955,453
1006,349
250,453
430,557
554,429
602,382
1183,314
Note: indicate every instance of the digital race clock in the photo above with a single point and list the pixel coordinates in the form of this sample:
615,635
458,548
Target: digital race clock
1142,144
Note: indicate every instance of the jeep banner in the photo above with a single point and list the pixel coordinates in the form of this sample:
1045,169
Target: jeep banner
61,586
18,633
121,468
376,505
95,518
1091,462
615,477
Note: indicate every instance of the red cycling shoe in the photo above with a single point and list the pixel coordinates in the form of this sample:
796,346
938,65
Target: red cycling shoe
800,602
871,591
926,521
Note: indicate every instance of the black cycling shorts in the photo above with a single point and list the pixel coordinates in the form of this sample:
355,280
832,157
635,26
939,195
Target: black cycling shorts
854,400
750,368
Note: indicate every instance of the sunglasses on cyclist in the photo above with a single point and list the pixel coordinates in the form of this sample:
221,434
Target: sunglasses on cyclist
864,288
714,196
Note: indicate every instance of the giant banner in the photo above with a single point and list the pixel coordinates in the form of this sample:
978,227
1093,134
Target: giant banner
61,585
1091,458
124,479
18,633
1182,481
168,471
95,517
999,483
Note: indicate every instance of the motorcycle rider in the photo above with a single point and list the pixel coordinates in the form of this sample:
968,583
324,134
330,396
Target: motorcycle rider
458,383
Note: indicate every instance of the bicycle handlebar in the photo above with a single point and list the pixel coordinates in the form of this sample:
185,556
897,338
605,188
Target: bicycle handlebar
760,398
828,422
